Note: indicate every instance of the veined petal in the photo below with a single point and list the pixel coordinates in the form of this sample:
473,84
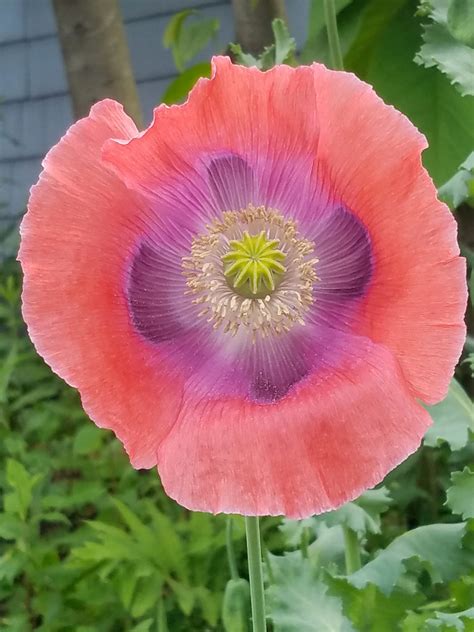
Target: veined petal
76,239
318,448
371,155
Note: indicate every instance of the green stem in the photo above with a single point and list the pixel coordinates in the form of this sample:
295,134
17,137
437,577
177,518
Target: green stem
333,35
161,619
305,542
352,550
254,553
234,573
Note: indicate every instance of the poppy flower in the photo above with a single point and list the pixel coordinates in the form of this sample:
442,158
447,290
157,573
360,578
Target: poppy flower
256,293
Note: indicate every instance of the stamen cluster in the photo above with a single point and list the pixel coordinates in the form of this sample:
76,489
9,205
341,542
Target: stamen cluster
267,298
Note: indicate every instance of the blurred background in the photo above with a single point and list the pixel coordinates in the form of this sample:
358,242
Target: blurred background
88,544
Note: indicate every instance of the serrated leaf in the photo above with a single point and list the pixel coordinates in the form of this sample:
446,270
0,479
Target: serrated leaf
245,59
457,189
299,602
460,496
361,515
424,94
281,51
453,58
371,610
179,88
285,45
452,621
460,20
23,484
168,545
453,418
141,532
437,546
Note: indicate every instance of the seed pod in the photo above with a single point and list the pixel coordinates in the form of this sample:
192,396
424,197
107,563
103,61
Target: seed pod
236,606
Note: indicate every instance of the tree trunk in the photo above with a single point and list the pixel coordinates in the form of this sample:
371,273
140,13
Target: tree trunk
96,55
253,22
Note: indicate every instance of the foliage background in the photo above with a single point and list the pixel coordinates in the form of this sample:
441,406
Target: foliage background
88,544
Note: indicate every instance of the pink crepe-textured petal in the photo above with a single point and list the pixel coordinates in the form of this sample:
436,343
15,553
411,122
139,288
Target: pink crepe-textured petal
371,155
235,121
319,447
77,237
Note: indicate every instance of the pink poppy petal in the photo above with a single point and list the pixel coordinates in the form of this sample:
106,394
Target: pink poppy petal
311,452
79,232
371,155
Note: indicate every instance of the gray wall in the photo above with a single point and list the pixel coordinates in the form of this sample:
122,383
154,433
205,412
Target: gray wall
35,108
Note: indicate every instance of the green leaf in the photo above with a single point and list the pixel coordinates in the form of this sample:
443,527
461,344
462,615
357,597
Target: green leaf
460,20
423,94
458,188
470,358
178,89
185,596
452,419
375,18
10,527
23,484
187,40
460,497
452,621
146,595
210,603
88,439
44,391
195,36
143,626
361,515
437,546
442,49
371,610
245,59
142,533
174,26
280,52
299,602
6,371
285,45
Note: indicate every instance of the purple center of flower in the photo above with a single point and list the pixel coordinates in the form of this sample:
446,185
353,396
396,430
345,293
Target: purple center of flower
257,298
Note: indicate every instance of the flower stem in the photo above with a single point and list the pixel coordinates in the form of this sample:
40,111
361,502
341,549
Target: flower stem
333,35
254,553
352,550
234,573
